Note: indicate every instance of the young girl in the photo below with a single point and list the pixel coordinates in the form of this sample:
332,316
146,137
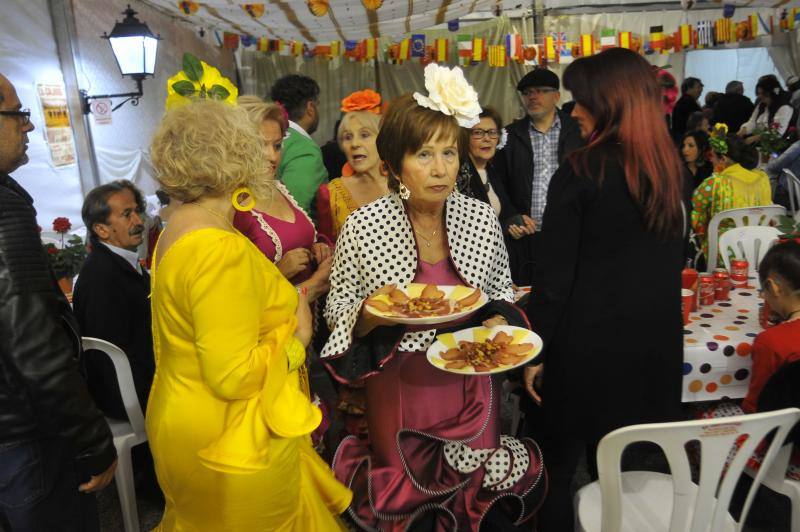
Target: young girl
777,346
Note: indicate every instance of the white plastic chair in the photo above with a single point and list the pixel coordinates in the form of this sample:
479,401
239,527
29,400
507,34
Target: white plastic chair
642,501
741,217
127,434
749,243
775,479
793,188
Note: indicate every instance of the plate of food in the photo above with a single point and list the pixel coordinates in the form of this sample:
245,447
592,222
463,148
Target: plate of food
425,304
484,351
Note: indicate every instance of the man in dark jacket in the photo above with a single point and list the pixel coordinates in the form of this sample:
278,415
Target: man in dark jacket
537,145
733,108
691,89
55,446
111,295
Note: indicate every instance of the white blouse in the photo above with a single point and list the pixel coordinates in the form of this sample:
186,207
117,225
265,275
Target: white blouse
782,117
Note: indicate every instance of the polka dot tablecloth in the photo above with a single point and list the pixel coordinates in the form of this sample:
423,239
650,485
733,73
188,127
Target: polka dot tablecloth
717,347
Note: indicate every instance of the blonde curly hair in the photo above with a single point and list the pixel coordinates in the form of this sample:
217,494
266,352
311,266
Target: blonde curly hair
261,111
366,119
209,148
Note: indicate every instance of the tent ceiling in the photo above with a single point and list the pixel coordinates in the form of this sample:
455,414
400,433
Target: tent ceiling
346,19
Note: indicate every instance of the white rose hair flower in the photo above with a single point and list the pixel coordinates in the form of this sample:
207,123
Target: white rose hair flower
450,93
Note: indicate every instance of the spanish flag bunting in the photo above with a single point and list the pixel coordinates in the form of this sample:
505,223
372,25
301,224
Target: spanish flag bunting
297,48
336,48
254,10
497,55
405,50
625,39
442,47
685,35
262,45
676,39
549,49
478,50
587,44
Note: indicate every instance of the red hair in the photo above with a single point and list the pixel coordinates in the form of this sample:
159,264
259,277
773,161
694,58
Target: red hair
620,90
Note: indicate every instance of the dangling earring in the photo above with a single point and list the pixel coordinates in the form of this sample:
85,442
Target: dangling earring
404,192
247,207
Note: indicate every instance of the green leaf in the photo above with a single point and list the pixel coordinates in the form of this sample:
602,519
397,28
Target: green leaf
183,87
192,67
218,92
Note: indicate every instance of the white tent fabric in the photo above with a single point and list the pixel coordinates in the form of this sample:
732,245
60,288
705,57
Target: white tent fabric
345,20
28,57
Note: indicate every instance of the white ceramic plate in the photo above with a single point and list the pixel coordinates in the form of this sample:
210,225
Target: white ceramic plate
453,293
478,334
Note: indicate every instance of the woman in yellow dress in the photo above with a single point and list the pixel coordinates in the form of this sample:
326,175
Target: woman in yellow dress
228,417
362,181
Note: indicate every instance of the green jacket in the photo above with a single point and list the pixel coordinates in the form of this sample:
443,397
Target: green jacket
301,168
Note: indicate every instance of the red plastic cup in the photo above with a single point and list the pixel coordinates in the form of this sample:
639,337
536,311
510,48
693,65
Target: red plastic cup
687,298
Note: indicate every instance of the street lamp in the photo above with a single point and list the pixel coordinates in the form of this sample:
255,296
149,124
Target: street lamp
134,47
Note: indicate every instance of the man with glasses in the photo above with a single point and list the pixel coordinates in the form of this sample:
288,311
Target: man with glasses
537,145
55,446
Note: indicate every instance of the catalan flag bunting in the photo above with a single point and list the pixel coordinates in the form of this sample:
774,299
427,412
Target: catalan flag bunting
497,55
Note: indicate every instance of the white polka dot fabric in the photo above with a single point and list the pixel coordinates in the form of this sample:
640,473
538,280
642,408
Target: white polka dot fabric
377,247
504,466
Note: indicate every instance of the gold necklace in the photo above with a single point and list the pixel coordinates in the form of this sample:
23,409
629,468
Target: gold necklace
428,240
215,213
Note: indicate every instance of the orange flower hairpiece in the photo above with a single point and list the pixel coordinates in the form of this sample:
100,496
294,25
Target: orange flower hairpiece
366,100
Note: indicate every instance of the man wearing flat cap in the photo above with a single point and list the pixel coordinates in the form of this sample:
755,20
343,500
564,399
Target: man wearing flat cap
537,145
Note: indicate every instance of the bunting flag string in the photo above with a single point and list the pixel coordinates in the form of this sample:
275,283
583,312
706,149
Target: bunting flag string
555,48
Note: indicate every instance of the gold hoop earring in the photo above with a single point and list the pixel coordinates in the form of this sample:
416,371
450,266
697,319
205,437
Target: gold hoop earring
247,207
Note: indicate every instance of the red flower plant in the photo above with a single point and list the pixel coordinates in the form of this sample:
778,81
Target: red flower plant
61,225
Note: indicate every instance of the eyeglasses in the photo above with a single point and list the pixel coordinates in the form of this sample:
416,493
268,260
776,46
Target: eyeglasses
480,133
531,91
24,114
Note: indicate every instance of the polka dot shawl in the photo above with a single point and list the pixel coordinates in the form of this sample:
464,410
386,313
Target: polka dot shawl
377,247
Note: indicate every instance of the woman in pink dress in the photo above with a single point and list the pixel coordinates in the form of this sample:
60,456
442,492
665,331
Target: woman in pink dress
436,459
277,225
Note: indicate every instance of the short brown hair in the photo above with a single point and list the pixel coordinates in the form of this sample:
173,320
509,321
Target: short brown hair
487,112
405,128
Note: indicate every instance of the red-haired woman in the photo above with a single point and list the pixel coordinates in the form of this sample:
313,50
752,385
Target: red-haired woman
607,280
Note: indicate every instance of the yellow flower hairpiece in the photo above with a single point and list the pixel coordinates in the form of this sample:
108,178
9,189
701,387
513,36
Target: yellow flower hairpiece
717,139
199,80
720,129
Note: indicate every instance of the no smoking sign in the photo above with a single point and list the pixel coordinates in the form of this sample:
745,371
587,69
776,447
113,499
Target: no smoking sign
101,111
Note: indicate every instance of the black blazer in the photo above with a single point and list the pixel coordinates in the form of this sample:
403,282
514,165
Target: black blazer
470,184
685,106
515,160
605,303
733,110
111,303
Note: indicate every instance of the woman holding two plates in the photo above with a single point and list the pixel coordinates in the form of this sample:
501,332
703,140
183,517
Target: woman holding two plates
436,458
